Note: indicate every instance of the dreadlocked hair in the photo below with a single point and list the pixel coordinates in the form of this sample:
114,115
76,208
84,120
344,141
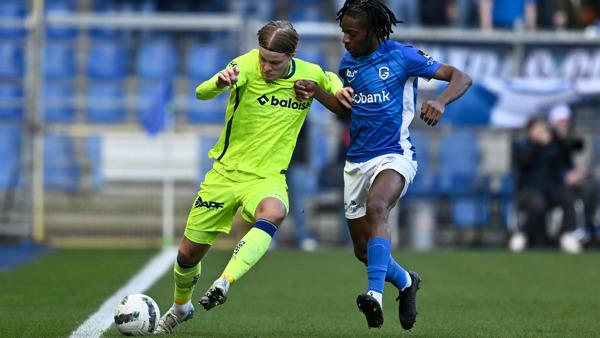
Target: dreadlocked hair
378,17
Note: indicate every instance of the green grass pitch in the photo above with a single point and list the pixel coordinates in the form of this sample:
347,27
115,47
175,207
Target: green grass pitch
296,294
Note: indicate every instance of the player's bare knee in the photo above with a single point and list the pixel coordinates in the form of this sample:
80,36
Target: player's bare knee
377,210
272,210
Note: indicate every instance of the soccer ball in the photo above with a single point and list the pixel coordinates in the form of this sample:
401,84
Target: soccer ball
137,315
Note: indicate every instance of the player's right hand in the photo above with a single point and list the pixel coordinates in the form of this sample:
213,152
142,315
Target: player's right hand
345,96
228,77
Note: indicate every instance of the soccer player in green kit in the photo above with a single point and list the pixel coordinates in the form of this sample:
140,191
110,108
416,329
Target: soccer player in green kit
252,154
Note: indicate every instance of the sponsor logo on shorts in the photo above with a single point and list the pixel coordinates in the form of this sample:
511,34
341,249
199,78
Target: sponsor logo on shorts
207,204
352,207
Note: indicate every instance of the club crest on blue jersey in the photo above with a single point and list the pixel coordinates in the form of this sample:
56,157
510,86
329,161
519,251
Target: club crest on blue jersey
384,73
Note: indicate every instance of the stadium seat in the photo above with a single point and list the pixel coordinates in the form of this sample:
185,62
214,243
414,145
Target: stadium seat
93,148
61,170
10,153
208,111
157,59
11,59
12,10
205,60
470,212
301,11
60,7
59,101
107,60
59,60
313,53
424,185
472,109
11,102
148,94
205,163
105,102
459,160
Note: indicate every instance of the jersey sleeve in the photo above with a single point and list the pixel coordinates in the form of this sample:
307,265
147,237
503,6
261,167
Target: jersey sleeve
208,89
418,63
330,82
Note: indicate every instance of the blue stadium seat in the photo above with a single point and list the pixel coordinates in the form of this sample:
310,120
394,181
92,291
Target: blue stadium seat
11,59
459,160
205,163
208,111
108,60
596,148
61,7
470,212
205,60
10,153
157,59
61,170
472,109
148,94
12,10
93,149
105,102
313,53
300,11
58,101
11,102
59,60
425,182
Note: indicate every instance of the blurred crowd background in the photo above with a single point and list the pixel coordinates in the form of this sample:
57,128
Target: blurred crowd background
102,142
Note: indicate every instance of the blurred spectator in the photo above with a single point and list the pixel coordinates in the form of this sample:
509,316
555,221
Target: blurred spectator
301,184
540,161
507,14
567,14
580,182
435,12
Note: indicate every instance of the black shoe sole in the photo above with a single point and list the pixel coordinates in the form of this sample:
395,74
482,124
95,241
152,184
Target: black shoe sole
372,310
407,320
213,299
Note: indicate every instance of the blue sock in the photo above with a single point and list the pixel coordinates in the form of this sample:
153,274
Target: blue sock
378,255
396,274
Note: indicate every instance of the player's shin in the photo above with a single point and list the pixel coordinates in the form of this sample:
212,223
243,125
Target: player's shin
397,275
249,250
378,255
186,276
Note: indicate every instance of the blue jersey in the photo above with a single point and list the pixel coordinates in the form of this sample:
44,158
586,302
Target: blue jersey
385,96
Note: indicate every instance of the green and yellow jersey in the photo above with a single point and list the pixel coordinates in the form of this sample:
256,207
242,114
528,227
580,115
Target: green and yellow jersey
263,117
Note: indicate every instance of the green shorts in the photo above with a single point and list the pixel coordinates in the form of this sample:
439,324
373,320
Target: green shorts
220,197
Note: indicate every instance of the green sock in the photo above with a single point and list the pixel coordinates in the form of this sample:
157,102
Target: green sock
249,250
185,280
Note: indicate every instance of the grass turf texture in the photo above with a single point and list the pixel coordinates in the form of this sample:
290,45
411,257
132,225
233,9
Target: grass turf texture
463,294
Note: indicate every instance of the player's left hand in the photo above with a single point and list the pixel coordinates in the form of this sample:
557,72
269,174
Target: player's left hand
432,111
305,89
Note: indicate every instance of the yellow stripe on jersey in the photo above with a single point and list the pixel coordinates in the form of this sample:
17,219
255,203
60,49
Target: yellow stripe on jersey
263,118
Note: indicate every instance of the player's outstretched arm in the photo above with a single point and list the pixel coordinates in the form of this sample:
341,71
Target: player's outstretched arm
306,89
216,84
458,83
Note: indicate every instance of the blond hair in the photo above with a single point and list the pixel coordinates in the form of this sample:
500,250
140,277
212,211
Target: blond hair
278,36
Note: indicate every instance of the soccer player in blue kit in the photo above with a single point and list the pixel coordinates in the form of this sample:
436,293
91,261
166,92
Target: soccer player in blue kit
380,78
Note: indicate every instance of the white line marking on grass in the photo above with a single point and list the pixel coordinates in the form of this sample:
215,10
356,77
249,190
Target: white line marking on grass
100,321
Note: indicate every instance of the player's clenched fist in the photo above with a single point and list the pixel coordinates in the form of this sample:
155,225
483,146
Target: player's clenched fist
431,112
304,89
228,77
